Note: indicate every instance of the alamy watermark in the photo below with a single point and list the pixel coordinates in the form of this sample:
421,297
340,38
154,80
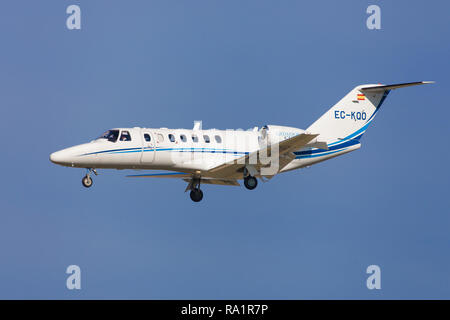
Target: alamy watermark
74,279
236,146
374,280
73,21
373,22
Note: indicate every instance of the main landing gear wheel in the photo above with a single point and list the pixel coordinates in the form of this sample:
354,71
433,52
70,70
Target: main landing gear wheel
87,181
196,195
250,182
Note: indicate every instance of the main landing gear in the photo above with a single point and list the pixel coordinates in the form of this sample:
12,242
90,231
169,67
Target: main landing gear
87,180
250,182
196,193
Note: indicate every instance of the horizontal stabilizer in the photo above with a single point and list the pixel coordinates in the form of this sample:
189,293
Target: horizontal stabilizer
393,86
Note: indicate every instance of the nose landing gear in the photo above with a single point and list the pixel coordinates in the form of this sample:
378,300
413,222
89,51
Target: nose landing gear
87,180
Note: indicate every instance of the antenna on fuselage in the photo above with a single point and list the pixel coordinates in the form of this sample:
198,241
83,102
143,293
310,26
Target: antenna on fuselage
197,125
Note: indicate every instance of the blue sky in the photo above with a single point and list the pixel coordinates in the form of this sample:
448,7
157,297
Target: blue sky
232,64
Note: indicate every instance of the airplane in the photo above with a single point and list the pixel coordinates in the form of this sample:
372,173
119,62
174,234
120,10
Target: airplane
223,157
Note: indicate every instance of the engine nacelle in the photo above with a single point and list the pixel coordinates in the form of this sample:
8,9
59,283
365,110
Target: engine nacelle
275,134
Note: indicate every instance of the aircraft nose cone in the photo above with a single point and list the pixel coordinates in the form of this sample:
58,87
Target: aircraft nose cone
74,156
58,157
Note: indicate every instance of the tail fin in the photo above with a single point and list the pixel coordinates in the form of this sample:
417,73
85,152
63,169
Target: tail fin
352,115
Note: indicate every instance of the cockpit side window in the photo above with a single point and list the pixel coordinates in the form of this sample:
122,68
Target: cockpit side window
125,136
110,135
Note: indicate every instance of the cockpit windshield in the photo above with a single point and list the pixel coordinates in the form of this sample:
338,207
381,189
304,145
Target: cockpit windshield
110,135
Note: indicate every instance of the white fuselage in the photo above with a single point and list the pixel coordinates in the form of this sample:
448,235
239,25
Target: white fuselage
185,150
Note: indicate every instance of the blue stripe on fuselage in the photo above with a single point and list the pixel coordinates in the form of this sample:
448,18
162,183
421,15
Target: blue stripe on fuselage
344,144
202,150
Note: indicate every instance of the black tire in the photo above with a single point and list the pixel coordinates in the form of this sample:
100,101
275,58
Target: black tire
196,195
87,181
250,182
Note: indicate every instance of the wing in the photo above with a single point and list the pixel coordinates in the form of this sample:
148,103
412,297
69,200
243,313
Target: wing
162,175
188,178
228,173
233,169
222,182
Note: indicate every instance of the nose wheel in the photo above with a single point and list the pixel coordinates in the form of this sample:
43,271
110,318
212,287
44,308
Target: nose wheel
87,181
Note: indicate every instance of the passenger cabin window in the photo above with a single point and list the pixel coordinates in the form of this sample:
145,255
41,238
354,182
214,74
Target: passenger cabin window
206,138
147,137
171,138
125,136
218,139
183,138
160,137
110,135
194,138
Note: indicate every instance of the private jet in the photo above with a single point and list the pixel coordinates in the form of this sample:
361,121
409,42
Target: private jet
223,157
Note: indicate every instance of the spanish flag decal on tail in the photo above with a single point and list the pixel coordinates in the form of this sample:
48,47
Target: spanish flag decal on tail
361,96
